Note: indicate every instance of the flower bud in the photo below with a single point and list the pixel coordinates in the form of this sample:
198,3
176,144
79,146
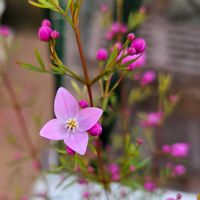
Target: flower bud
102,54
83,103
130,37
132,168
139,45
96,130
70,151
179,196
55,35
44,33
5,31
166,148
140,141
46,22
131,51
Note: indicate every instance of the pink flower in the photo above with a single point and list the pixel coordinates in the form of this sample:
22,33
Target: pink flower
148,77
179,150
179,170
71,124
153,119
102,54
150,186
44,33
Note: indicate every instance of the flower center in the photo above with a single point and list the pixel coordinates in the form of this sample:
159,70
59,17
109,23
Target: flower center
71,125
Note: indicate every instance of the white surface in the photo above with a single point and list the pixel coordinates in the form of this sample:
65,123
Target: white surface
75,191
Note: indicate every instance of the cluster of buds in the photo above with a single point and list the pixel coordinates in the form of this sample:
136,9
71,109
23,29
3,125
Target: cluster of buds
134,51
46,33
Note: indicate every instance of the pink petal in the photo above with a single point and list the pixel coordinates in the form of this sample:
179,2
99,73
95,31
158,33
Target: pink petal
88,117
53,130
65,105
77,141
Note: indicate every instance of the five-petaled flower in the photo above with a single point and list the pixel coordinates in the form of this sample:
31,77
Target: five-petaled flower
71,124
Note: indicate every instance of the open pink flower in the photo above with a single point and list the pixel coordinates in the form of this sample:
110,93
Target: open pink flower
71,124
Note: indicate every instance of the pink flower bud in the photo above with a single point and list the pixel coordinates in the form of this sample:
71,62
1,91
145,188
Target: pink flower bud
36,165
96,130
109,35
139,45
166,148
5,31
131,51
46,22
179,170
130,37
180,150
86,195
55,35
104,8
44,33
132,168
102,54
82,181
149,186
148,77
123,28
173,98
140,141
24,198
70,151
178,196
90,169
83,103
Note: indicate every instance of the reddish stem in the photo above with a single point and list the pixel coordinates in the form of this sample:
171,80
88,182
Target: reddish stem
18,111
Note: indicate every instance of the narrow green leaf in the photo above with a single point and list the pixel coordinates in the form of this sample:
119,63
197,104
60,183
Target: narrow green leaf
30,67
39,59
37,4
112,57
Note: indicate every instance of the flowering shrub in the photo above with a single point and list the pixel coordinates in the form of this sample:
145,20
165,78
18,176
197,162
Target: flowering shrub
132,157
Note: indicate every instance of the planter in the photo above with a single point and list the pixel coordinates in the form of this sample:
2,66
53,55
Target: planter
76,190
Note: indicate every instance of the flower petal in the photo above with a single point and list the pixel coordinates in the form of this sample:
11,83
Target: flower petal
77,141
88,117
65,105
53,130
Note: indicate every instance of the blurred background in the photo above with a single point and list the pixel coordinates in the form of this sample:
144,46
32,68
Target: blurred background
172,32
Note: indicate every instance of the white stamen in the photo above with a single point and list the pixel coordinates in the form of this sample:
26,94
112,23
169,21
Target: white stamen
71,124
